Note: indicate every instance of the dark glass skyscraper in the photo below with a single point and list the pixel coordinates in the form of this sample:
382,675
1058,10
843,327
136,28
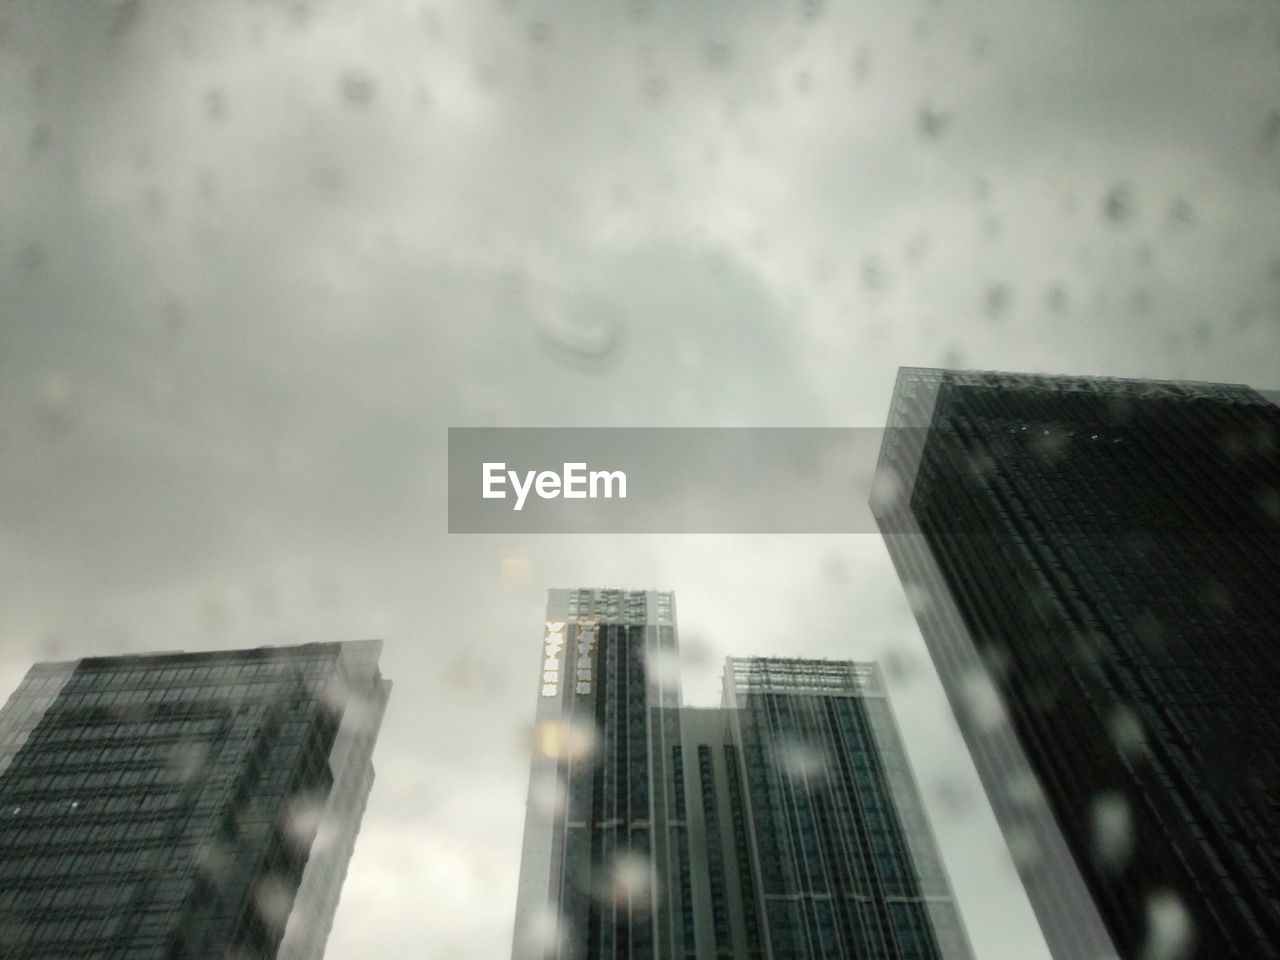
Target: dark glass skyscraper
184,805
1094,566
784,825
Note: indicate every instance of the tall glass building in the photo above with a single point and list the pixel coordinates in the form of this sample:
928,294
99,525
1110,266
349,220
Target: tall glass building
184,804
783,825
1094,563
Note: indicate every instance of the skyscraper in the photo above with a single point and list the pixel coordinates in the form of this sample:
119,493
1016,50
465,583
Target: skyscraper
184,805
783,824
1093,564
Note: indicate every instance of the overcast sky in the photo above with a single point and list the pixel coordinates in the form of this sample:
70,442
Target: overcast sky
256,257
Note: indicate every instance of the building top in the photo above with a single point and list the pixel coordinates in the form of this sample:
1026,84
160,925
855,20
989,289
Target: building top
797,675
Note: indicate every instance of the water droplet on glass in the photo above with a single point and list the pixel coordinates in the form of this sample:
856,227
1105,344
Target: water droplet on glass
918,597
861,66
874,278
539,936
800,761
662,668
30,258
273,899
902,666
303,821
933,122
629,882
1024,848
188,761
655,88
57,403
215,105
1119,205
982,702
564,740
514,568
1170,931
539,32
1112,826
548,792
717,53
996,300
357,87
586,335
123,17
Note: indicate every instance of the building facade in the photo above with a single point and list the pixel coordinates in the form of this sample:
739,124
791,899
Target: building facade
1093,565
184,805
783,824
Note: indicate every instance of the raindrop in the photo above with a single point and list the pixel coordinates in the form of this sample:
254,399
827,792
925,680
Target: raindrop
588,336
303,819
803,81
981,47
273,899
982,702
1270,131
539,32
123,17
1181,213
548,792
811,9
564,740
1170,932
1119,205
918,597
1112,824
800,761
215,861
30,258
1024,848
955,795
952,357
1056,299
918,248
539,936
1024,789
629,881
933,122
886,490
1051,446
655,88
58,406
1126,731
874,278
996,300
717,53
357,87
188,761
902,666
662,668
514,568
861,66
215,105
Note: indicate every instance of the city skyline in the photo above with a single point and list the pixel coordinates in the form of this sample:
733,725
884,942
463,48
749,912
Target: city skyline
785,823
